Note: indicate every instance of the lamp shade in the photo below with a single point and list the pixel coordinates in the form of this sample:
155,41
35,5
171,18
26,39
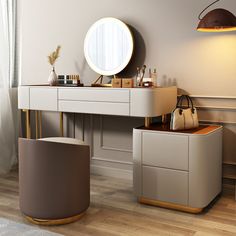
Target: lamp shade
218,20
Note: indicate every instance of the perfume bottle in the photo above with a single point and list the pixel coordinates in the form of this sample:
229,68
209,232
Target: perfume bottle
137,78
153,75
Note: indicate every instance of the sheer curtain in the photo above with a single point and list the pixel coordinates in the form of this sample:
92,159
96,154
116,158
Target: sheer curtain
8,110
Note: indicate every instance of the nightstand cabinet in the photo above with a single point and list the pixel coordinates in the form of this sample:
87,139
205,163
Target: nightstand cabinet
179,170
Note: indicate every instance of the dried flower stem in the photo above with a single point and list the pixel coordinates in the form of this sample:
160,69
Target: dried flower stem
54,55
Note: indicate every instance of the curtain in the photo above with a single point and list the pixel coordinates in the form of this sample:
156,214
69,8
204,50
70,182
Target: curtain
8,78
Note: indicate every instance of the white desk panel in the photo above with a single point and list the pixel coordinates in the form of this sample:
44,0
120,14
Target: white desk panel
150,102
44,99
136,102
94,94
23,98
105,108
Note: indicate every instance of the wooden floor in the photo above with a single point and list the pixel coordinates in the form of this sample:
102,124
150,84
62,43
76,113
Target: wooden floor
114,211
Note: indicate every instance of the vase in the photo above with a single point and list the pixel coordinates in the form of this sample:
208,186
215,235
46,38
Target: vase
52,79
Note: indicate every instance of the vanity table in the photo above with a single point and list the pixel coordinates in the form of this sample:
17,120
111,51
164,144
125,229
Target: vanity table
134,102
108,49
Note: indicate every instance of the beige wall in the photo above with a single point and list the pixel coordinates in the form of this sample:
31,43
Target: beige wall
202,64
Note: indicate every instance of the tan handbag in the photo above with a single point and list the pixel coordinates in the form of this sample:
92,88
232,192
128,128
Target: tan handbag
184,117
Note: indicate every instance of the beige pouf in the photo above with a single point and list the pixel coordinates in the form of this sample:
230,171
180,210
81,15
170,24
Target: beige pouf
54,179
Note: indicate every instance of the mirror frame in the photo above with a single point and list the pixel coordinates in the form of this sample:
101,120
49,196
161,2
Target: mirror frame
129,54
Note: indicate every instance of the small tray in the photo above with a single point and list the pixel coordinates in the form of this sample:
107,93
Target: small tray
70,85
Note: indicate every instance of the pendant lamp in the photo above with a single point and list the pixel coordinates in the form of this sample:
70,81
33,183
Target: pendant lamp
217,20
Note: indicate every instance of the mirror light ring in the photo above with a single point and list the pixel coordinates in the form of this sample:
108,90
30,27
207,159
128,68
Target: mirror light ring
129,54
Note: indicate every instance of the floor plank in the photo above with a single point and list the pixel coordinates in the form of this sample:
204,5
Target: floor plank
115,211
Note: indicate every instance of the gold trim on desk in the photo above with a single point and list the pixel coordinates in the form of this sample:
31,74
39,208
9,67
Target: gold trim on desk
169,205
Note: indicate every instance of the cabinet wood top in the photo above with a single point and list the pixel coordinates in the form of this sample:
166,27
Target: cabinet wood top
202,129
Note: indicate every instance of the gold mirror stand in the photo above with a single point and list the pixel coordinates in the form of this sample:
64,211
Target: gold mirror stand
98,82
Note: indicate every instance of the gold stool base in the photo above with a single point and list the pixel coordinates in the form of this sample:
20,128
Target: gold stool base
48,222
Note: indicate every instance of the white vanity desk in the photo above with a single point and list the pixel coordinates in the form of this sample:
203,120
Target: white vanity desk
135,102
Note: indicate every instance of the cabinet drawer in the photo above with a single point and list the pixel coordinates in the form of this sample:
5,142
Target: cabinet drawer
165,150
165,185
98,95
94,107
43,99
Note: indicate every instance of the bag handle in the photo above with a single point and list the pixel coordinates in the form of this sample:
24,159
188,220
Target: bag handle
191,101
180,103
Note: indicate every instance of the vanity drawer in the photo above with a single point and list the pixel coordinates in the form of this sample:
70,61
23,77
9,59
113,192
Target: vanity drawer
165,150
44,99
94,107
23,98
165,185
95,94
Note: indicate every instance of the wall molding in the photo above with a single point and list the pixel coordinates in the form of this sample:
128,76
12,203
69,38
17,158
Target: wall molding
213,97
218,122
112,161
210,107
102,146
111,172
216,108
115,149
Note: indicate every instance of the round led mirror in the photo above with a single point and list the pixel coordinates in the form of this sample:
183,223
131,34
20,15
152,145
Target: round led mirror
108,46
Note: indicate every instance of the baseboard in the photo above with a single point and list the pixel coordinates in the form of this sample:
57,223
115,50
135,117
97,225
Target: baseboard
111,172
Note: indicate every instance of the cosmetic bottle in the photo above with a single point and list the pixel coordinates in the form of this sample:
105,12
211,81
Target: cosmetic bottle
154,77
137,78
135,83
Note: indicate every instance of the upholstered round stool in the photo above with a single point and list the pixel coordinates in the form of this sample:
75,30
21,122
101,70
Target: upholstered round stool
54,180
